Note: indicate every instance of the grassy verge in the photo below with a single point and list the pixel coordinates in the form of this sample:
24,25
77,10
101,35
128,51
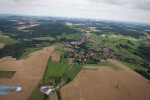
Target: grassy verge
59,94
105,63
89,69
132,66
142,71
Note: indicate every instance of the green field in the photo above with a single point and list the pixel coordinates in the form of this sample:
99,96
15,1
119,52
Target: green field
132,66
72,73
53,74
1,32
141,70
106,64
67,37
37,95
29,51
59,48
8,41
55,70
123,45
44,38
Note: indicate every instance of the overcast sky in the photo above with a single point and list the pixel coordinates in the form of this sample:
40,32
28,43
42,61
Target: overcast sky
122,10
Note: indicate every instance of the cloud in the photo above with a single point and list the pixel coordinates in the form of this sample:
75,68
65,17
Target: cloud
136,4
130,10
143,5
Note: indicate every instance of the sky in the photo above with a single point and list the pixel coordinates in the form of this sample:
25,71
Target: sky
120,10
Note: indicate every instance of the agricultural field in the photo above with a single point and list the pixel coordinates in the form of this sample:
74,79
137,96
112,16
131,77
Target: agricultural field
73,72
141,70
53,73
29,51
8,41
132,66
106,83
55,70
81,59
28,72
55,57
59,49
67,37
123,45
104,63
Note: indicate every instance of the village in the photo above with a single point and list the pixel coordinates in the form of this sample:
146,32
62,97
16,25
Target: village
83,54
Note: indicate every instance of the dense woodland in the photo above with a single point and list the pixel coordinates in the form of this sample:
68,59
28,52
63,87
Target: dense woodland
15,50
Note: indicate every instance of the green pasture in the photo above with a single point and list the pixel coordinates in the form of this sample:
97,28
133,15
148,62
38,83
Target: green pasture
8,41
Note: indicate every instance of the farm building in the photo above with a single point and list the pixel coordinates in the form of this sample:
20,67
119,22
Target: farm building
47,90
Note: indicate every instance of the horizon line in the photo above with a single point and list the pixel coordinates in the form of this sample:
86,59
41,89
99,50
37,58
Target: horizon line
94,19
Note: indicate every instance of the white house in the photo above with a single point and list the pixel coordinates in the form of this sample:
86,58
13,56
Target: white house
47,89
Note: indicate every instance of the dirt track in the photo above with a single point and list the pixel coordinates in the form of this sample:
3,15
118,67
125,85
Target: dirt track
107,84
29,72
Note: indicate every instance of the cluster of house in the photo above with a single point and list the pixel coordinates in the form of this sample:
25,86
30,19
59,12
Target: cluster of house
41,44
83,56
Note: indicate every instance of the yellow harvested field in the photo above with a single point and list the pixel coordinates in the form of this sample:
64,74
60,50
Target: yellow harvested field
28,73
107,84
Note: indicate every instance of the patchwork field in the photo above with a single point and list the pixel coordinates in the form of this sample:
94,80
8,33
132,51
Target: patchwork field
28,73
124,45
106,83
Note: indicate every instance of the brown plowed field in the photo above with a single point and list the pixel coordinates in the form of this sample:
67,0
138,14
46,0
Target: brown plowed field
107,84
29,72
